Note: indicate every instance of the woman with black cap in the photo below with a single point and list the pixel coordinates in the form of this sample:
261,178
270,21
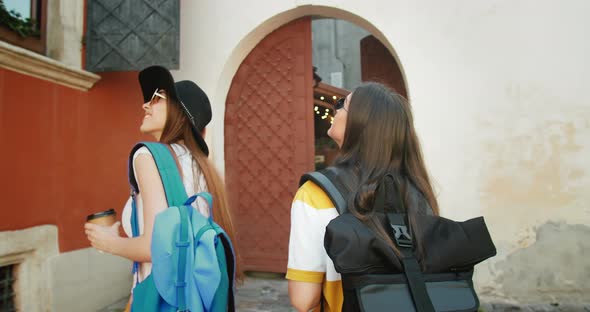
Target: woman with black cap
175,114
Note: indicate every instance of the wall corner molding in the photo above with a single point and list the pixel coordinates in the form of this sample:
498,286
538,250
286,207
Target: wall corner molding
32,64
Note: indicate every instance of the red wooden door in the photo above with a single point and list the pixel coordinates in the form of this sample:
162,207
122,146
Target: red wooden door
269,142
377,64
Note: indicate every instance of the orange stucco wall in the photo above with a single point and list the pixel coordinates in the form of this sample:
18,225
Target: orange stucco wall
63,152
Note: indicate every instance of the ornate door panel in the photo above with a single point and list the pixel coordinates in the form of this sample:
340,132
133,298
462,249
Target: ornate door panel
377,64
269,142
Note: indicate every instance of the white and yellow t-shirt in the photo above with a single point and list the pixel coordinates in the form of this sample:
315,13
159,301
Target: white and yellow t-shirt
311,212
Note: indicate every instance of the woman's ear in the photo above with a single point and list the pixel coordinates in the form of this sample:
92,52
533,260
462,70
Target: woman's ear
204,132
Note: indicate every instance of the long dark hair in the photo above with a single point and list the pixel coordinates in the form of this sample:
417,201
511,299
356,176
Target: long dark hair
178,128
379,139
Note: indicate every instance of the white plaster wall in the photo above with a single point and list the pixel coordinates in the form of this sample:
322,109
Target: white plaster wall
498,90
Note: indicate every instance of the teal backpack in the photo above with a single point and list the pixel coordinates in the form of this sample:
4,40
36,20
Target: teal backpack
193,263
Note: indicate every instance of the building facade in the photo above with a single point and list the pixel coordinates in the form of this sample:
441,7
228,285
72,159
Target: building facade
498,96
498,91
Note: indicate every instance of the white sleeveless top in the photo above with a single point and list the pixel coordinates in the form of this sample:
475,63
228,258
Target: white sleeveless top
190,169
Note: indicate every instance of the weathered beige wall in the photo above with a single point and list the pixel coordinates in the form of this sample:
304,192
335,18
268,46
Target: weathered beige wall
65,26
86,280
28,250
500,96
46,280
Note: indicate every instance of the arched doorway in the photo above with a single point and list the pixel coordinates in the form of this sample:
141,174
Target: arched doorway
269,139
269,142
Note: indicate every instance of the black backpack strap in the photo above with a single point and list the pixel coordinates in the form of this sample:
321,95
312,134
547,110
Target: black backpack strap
343,179
410,264
403,240
322,180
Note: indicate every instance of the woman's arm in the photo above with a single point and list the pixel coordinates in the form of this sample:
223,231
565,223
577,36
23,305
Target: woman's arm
306,268
153,198
304,296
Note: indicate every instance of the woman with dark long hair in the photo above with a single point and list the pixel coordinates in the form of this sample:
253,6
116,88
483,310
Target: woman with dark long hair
375,131
175,114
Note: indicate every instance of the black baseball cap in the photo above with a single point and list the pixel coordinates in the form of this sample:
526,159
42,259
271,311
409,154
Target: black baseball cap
193,100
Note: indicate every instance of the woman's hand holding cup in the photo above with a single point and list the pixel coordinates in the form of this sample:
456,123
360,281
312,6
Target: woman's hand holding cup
102,230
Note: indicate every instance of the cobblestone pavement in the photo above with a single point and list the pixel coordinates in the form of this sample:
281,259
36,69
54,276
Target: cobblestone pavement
554,307
266,292
263,292
260,292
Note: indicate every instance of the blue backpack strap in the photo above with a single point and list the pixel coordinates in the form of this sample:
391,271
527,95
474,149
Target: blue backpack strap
134,230
183,245
171,180
168,169
224,299
186,211
206,196
175,196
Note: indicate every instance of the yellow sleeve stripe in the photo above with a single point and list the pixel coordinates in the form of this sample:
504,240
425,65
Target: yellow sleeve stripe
333,295
305,276
311,194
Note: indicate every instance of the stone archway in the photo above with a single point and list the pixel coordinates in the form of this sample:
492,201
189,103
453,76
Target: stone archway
265,153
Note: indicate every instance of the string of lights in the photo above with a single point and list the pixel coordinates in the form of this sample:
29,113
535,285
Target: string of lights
325,112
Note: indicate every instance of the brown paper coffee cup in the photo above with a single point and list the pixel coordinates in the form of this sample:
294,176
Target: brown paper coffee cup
106,218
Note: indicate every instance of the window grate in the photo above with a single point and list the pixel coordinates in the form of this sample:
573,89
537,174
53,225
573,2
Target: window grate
7,279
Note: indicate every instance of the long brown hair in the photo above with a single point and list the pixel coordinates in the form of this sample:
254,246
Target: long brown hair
177,129
379,139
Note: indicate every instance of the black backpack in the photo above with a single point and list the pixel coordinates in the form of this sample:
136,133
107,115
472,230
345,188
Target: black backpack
434,269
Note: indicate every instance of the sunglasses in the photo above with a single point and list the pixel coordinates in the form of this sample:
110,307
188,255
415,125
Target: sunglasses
156,94
340,104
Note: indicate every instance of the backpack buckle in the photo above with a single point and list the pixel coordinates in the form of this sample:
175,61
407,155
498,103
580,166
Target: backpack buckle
182,243
402,236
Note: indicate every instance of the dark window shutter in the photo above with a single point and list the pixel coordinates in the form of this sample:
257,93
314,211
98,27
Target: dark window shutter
125,35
